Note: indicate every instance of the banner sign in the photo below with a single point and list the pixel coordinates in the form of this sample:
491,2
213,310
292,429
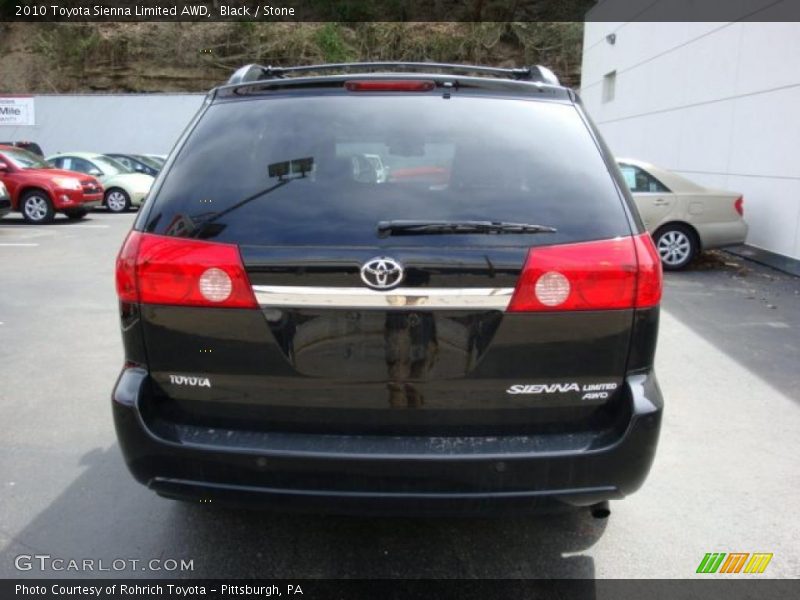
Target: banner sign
17,110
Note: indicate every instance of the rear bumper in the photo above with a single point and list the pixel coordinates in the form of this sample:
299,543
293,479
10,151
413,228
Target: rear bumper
718,235
384,474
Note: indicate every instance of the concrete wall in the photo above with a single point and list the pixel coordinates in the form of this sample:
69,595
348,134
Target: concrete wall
716,102
136,123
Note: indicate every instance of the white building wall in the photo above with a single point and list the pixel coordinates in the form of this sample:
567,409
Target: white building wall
135,123
716,102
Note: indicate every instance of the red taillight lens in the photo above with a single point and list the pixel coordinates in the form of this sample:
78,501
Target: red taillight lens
154,269
739,206
390,85
126,268
608,274
650,278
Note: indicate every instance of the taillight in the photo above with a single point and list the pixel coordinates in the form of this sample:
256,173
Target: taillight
126,268
153,269
390,85
608,274
650,278
739,206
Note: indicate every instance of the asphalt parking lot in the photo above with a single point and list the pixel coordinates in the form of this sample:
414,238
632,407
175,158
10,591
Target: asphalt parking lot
726,475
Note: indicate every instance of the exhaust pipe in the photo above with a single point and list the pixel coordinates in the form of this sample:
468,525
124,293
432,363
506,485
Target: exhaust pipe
600,510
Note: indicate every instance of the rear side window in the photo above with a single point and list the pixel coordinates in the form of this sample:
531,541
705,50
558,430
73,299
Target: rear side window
81,165
639,181
324,170
124,161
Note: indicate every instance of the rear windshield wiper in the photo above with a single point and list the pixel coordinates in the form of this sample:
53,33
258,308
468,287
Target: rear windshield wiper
403,227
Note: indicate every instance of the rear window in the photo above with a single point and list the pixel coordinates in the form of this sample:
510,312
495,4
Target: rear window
324,170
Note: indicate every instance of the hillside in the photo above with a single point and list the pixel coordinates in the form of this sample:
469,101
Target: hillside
190,57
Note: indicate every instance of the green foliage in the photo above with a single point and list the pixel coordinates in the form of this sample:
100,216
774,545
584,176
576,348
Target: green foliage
68,46
556,45
189,56
331,44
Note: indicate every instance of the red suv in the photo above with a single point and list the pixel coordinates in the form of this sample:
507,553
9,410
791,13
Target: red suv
39,191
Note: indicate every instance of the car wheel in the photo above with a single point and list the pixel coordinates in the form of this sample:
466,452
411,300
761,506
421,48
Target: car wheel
76,213
676,245
37,208
117,200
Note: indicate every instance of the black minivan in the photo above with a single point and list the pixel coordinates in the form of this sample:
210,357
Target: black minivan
391,287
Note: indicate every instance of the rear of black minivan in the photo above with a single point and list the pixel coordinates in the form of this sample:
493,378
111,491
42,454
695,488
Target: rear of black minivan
393,292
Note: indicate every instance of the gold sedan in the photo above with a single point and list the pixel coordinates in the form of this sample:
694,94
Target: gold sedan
683,217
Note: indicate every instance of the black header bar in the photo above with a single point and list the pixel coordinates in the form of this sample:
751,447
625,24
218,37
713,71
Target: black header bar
738,588
398,10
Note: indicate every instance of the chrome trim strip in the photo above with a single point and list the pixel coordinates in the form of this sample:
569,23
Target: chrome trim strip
290,296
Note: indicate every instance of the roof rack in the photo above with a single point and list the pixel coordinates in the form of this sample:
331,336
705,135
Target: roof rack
254,73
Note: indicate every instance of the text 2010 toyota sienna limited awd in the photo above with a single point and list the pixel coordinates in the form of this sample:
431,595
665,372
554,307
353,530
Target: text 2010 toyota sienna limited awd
423,289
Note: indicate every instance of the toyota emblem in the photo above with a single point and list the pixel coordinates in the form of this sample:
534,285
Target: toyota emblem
382,273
